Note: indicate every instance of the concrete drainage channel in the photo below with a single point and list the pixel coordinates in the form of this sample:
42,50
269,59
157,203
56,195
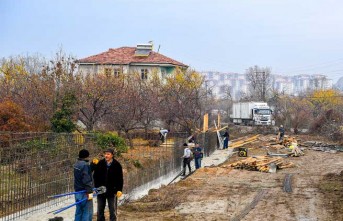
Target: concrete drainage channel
287,187
251,206
287,183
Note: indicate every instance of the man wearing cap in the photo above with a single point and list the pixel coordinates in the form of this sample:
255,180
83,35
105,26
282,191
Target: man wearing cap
108,172
83,182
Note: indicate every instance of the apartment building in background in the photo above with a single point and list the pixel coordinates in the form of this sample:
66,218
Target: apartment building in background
236,84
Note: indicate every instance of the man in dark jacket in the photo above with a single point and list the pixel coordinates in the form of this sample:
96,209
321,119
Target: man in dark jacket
198,155
108,172
226,139
83,182
281,132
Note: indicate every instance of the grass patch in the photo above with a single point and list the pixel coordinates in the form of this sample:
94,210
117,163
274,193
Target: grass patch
137,164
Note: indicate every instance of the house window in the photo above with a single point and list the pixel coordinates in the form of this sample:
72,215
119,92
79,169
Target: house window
108,71
117,72
144,74
163,73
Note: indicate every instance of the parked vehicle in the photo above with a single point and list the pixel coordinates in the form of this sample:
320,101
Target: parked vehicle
251,113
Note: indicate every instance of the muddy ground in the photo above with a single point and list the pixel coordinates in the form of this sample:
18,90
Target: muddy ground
221,193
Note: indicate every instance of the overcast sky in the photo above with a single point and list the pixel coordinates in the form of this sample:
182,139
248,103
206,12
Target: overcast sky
290,36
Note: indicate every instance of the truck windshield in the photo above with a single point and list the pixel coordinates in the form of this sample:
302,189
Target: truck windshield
263,111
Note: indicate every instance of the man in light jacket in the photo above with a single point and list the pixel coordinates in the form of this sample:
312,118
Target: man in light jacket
186,159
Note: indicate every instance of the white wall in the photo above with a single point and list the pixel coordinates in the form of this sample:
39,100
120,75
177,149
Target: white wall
94,69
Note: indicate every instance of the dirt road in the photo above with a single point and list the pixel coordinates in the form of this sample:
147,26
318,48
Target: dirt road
219,193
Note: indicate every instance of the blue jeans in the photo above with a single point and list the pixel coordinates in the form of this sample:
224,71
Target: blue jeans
84,210
197,162
226,143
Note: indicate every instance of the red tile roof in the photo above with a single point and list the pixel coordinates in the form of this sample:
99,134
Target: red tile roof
126,55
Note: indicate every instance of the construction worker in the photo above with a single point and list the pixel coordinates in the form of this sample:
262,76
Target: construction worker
198,155
186,159
83,182
192,138
281,132
108,172
163,134
226,139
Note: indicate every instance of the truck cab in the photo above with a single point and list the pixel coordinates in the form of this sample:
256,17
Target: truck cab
262,116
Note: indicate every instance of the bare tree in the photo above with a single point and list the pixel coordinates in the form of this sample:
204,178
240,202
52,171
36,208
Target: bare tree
98,98
183,97
149,93
124,115
260,82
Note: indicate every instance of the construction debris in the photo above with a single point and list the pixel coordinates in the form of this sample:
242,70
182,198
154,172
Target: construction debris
277,154
267,138
261,163
324,147
287,141
296,152
277,146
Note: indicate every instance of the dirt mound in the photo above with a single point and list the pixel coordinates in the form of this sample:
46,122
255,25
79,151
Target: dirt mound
331,187
213,171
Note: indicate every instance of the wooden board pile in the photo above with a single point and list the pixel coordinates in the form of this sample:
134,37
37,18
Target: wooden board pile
261,163
243,141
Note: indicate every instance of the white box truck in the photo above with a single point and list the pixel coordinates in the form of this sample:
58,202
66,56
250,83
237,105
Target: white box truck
251,113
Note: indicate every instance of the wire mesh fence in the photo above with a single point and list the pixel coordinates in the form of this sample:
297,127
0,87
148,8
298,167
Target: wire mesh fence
34,166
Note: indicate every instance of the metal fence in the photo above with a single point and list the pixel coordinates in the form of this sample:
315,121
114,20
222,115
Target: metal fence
36,165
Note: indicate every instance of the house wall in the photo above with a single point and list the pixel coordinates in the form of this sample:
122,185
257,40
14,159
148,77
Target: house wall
94,69
124,68
152,69
88,68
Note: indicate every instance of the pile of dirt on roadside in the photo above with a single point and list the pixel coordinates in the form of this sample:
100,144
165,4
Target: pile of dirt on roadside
165,198
215,171
332,188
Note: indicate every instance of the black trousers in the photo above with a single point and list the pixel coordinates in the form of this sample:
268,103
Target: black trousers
112,205
186,161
